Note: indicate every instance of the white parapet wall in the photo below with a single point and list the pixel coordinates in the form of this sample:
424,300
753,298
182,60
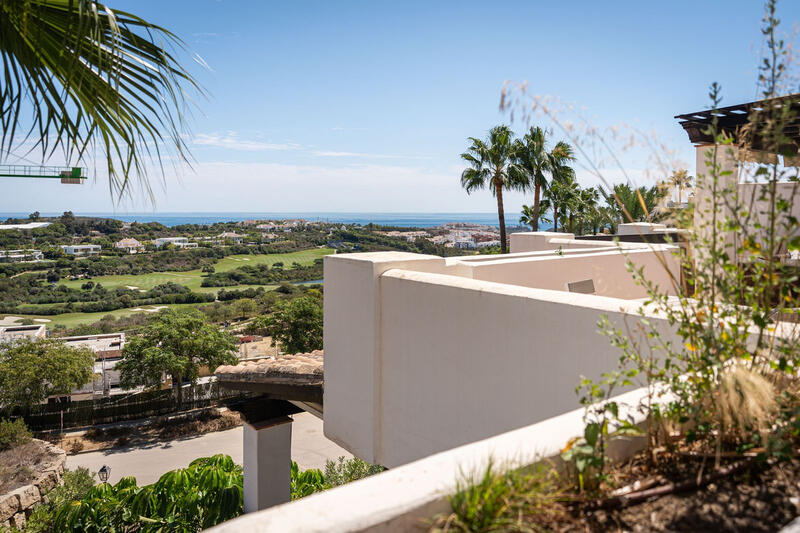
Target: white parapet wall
409,497
421,358
606,267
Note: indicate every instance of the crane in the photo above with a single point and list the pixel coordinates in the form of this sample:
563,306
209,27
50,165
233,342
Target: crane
69,175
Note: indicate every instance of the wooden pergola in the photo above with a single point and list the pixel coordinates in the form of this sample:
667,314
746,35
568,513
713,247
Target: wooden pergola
743,122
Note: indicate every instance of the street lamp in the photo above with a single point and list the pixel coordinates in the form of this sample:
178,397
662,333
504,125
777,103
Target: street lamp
104,472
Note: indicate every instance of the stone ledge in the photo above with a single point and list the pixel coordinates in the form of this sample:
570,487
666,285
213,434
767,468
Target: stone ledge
16,504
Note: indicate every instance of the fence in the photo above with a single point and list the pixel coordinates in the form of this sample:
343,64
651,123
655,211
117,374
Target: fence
48,417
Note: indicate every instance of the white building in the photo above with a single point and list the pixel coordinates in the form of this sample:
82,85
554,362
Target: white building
18,256
27,225
130,245
34,331
80,250
108,352
177,242
231,236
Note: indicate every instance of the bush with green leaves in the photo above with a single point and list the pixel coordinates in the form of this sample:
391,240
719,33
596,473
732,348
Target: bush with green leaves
13,433
76,485
344,471
206,493
305,482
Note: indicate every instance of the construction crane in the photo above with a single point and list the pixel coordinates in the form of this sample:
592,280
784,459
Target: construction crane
69,175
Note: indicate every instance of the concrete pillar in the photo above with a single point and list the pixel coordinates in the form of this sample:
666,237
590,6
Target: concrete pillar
267,461
706,202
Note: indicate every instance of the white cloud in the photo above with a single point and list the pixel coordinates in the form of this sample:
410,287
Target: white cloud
330,153
231,141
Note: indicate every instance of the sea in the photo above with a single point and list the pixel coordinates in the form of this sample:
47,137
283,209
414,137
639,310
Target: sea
408,220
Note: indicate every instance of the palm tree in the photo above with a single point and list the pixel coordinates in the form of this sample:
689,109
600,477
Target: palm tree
533,158
560,195
491,164
79,75
634,204
586,206
680,179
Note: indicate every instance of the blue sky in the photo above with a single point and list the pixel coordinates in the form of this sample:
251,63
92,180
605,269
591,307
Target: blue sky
366,106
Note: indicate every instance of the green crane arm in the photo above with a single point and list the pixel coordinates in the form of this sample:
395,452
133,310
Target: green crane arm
71,175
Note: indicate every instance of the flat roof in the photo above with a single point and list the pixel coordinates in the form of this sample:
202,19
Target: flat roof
27,225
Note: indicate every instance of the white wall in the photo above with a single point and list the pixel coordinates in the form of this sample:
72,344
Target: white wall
607,269
351,340
420,362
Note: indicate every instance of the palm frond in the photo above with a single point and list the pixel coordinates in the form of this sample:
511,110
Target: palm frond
79,76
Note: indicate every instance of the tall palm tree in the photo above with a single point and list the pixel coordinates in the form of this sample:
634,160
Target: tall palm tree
535,161
80,76
586,206
680,179
491,164
560,195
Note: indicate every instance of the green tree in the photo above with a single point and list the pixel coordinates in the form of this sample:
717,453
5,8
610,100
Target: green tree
491,164
245,307
32,370
529,217
561,194
78,74
296,324
586,207
634,204
533,159
176,343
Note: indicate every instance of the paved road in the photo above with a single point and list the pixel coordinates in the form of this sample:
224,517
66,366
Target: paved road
310,449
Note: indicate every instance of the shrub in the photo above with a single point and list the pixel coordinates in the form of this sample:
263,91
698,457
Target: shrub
344,471
303,483
76,485
13,433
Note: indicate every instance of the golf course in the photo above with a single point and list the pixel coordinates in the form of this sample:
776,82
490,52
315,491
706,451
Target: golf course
191,279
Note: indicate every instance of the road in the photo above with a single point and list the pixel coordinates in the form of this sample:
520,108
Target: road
310,449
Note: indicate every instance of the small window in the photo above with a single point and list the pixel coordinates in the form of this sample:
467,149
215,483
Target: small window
585,286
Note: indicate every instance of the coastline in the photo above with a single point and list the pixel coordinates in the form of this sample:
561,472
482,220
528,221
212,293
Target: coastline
410,220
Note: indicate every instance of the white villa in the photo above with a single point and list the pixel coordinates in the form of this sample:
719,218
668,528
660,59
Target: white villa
177,242
231,236
18,256
80,250
130,245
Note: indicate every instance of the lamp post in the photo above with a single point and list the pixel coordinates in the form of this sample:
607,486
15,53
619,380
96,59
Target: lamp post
104,472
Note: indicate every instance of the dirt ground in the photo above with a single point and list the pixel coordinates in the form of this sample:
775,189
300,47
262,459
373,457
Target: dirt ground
762,496
161,429
257,349
18,465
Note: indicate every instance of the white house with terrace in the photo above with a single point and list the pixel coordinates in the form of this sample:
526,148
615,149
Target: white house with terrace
177,242
435,367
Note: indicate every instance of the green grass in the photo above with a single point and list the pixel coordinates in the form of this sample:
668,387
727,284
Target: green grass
193,278
70,320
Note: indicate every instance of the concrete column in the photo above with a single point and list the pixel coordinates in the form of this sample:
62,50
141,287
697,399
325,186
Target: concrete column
267,460
706,202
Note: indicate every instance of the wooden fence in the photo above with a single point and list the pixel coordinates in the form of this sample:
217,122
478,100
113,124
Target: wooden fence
119,408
